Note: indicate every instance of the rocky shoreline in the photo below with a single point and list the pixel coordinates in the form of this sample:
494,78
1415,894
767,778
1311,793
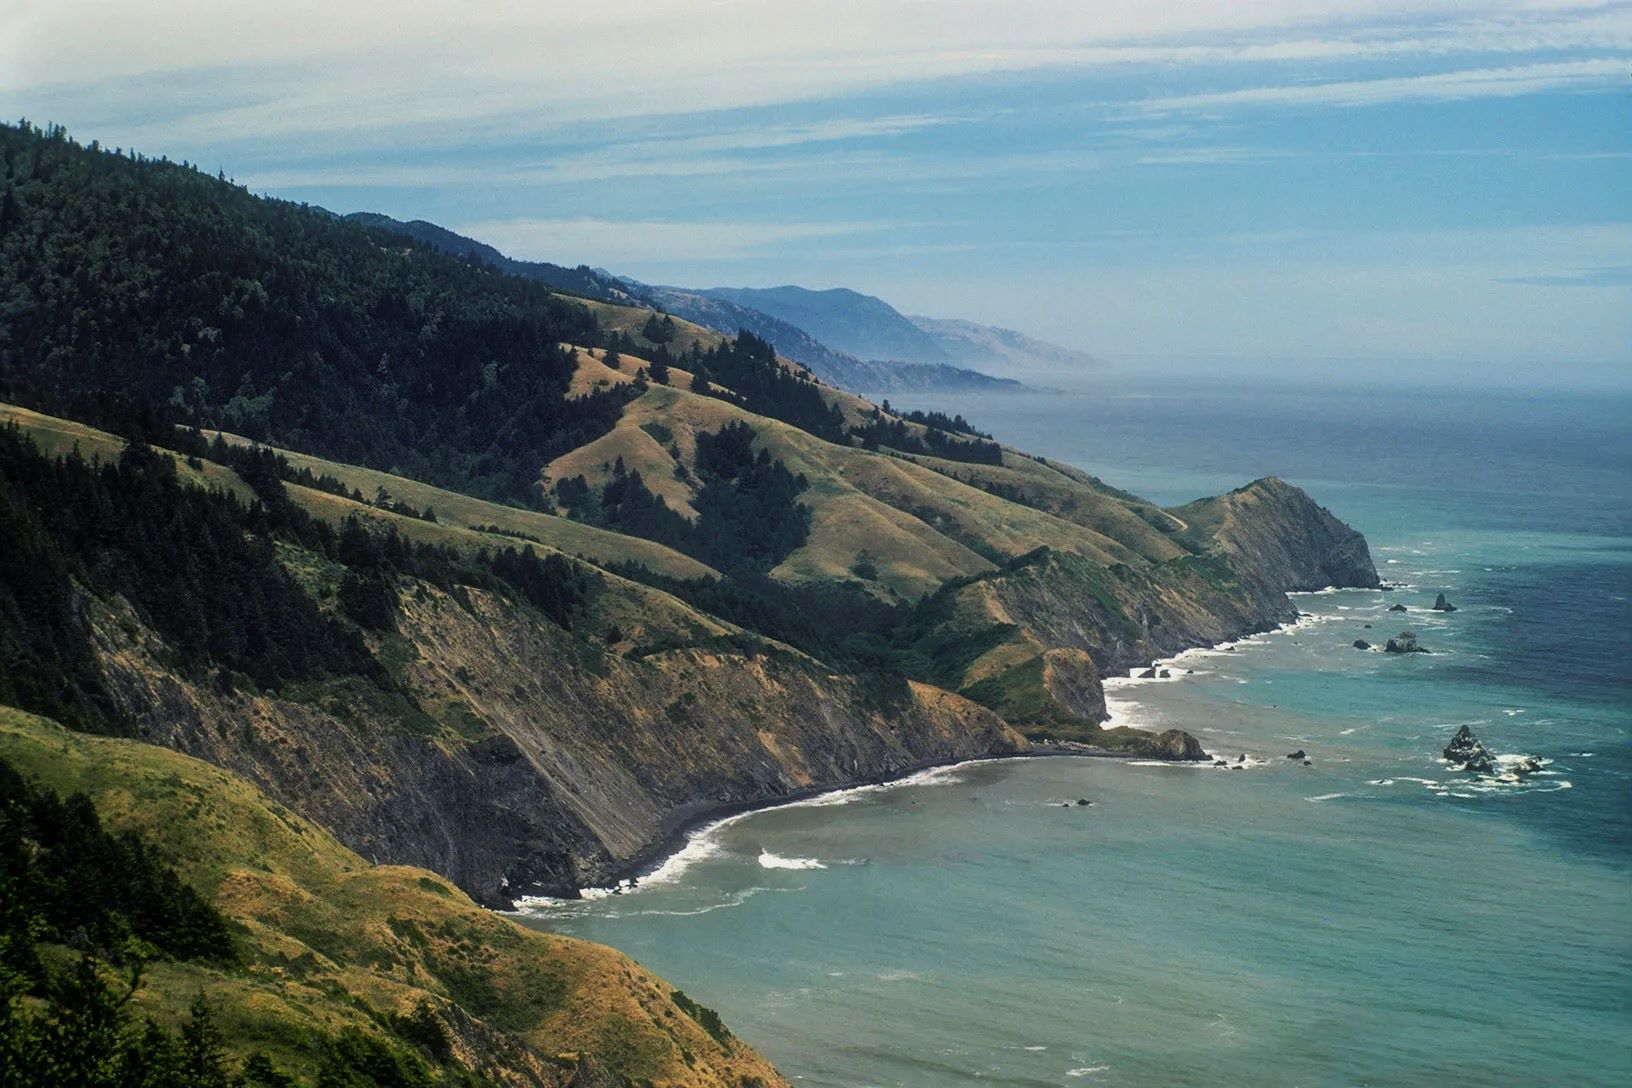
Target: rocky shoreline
684,824
702,818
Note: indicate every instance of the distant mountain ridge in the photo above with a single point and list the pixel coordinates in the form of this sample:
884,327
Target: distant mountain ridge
722,315
868,328
835,367
1001,351
862,325
848,339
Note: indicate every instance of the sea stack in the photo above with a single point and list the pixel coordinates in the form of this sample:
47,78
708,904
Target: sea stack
1178,746
1442,605
1405,643
1466,750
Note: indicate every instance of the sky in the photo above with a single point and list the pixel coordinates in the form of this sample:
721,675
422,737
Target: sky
1323,187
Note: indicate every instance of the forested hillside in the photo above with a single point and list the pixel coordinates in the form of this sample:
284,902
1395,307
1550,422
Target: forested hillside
146,280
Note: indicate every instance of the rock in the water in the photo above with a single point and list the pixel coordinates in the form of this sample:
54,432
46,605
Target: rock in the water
1299,754
1396,608
1361,644
1083,802
1527,765
1466,750
1308,763
1442,605
1148,674
1367,626
1405,643
1164,674
1177,745
1221,763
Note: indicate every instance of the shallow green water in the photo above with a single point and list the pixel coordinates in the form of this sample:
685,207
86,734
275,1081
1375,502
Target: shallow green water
1374,918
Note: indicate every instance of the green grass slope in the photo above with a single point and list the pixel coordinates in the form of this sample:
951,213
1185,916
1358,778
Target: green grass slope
330,942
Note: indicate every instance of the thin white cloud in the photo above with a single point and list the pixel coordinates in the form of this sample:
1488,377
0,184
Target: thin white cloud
335,69
633,243
1439,86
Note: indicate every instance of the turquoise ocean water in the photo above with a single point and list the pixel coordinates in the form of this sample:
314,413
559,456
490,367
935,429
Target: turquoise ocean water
1373,919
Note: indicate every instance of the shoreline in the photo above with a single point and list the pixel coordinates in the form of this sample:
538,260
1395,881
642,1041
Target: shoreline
705,817
691,822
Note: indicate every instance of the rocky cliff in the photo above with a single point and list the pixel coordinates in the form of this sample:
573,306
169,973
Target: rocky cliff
517,757
516,760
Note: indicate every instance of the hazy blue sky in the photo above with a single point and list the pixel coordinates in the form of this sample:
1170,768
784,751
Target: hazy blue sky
1353,183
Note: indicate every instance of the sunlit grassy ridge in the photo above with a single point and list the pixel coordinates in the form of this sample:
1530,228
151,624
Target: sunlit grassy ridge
331,942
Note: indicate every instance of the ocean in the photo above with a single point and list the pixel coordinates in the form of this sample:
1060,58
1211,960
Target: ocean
1374,918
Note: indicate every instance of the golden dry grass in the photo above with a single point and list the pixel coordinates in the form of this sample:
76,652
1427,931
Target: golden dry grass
331,941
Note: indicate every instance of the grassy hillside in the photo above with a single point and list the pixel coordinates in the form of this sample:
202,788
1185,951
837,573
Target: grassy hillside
329,943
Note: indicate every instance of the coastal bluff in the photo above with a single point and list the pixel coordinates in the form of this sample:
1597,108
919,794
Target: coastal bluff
575,769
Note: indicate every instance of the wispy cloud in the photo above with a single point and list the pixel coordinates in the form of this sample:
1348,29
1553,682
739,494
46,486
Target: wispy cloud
1438,86
333,67
1611,276
645,242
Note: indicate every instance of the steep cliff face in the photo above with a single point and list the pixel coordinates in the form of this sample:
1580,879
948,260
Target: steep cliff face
1278,535
517,760
517,757
1247,551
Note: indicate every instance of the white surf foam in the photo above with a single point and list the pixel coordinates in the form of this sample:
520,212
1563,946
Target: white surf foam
768,860
703,842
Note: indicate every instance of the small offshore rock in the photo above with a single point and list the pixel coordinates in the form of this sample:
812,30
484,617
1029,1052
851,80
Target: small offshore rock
1396,608
1361,644
1083,802
1164,674
1299,754
1527,765
1405,643
1221,763
1466,749
1177,745
1367,626
1308,763
1442,605
1148,674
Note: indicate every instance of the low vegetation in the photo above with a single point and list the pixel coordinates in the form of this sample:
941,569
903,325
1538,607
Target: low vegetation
248,948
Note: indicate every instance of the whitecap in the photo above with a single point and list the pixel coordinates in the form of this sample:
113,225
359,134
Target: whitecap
768,860
1086,1070
1327,797
735,899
